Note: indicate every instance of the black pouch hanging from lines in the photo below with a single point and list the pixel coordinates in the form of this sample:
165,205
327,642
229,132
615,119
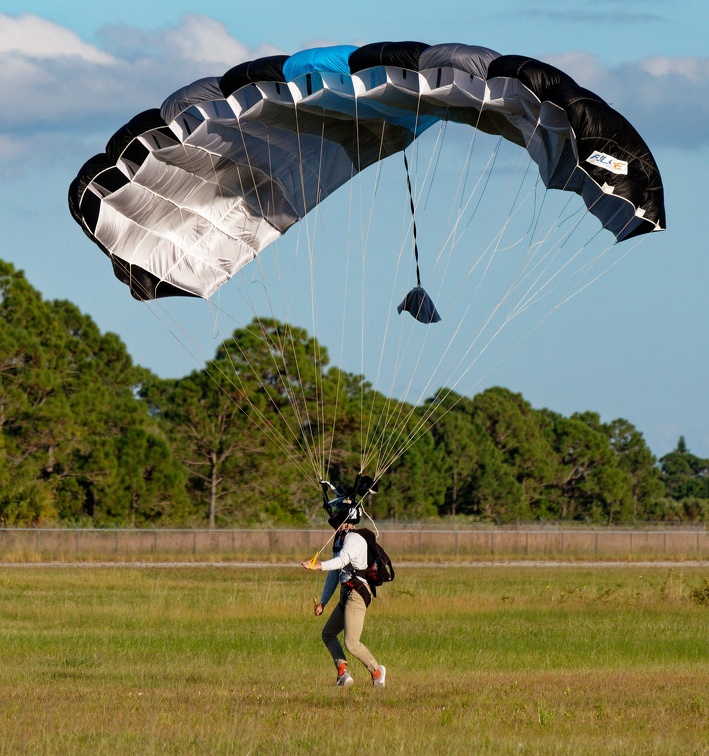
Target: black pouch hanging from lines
420,305
417,302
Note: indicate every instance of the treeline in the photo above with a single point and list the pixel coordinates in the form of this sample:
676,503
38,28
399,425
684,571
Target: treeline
89,438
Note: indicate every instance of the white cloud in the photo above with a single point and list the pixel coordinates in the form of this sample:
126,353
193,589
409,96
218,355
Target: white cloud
692,69
667,99
197,41
35,37
53,82
203,39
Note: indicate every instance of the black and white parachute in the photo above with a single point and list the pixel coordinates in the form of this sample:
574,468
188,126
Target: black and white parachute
187,194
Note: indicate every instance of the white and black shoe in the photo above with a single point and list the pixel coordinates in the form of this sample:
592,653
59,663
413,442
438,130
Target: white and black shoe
344,680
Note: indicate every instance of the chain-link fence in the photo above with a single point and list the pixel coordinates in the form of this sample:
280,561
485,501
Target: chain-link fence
403,543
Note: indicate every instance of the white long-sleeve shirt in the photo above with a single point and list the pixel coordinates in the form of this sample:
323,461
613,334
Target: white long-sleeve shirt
352,556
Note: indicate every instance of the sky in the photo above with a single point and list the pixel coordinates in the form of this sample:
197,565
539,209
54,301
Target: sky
635,345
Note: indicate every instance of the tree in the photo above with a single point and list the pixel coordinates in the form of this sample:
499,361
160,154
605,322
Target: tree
414,486
88,437
518,433
205,427
67,397
149,486
459,447
249,415
684,474
591,483
635,458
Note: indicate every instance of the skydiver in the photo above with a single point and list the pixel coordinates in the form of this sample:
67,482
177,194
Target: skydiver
349,554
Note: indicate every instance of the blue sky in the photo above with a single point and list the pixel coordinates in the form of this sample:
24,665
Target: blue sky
635,345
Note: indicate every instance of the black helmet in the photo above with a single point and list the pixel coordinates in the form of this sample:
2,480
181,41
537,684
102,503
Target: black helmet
365,485
343,509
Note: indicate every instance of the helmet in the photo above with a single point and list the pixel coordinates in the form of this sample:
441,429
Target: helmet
365,485
343,509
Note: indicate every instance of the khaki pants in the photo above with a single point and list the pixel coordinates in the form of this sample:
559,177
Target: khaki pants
348,615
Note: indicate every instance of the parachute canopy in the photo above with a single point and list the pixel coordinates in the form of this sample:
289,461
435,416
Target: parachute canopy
187,194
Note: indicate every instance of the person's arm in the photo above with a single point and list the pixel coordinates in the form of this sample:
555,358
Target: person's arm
336,563
353,551
331,582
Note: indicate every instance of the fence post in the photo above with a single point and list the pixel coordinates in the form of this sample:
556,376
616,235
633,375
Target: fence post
194,540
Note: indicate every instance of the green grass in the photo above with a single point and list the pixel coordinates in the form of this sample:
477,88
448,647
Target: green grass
480,660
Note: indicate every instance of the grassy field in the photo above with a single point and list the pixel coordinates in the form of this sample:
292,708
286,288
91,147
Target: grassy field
229,660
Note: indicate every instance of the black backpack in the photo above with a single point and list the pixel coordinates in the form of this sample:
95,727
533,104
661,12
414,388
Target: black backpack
379,567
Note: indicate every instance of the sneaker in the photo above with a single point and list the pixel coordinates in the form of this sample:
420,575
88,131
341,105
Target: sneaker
344,680
378,682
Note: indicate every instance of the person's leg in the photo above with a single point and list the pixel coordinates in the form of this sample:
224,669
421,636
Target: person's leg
354,614
332,628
